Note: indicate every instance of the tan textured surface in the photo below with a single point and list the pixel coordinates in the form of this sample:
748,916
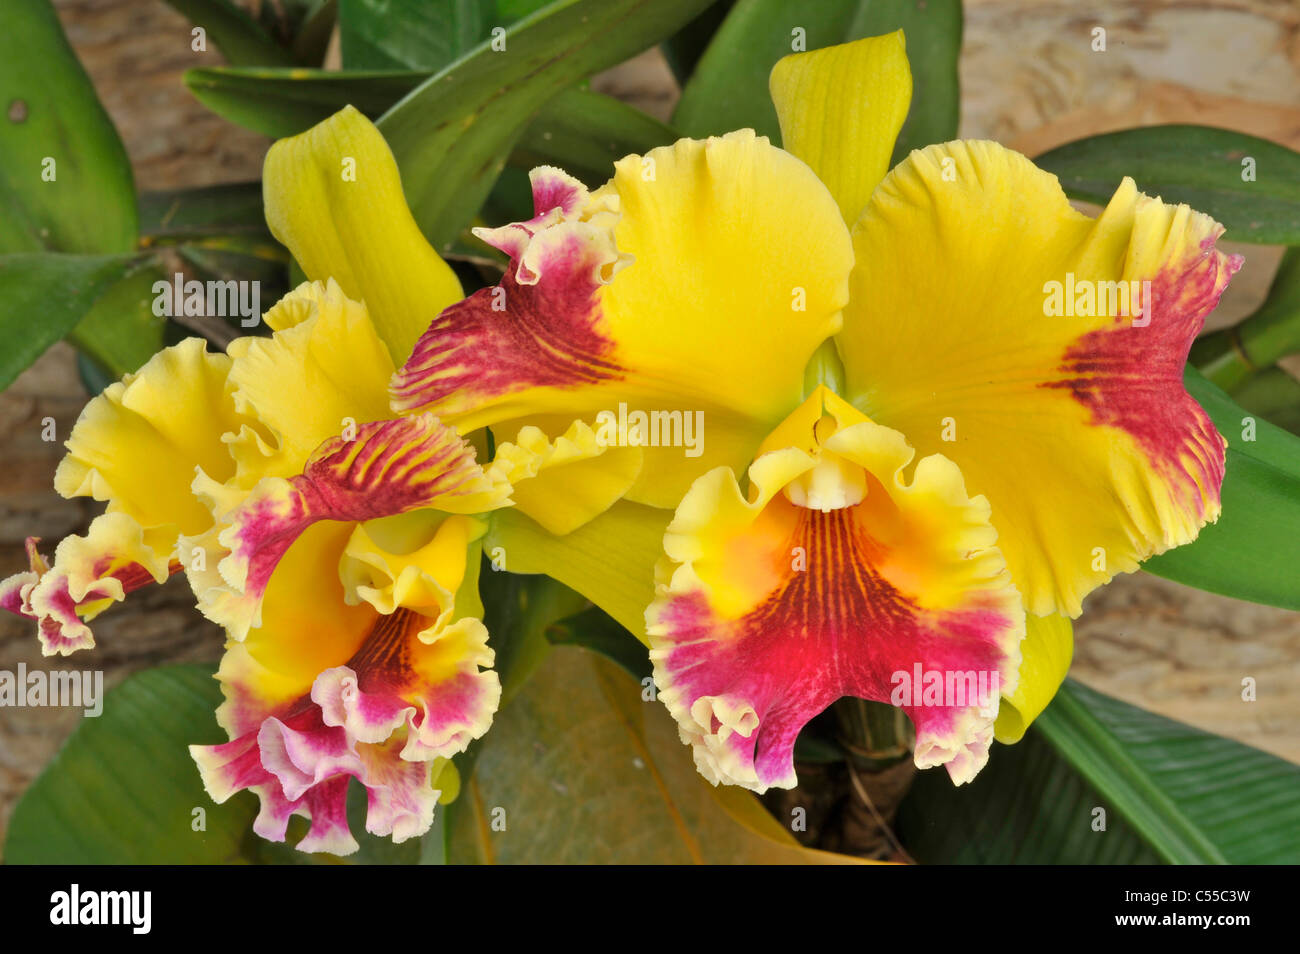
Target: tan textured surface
1030,80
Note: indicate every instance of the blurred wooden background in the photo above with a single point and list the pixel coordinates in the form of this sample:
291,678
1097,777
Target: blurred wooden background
1030,80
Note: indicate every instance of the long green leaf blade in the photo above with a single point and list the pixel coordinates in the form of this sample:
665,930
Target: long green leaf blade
1253,550
1170,792
43,296
1249,184
65,182
452,136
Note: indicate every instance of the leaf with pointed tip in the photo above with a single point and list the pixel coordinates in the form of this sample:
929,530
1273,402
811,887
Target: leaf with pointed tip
43,296
65,181
452,135
1169,791
1249,184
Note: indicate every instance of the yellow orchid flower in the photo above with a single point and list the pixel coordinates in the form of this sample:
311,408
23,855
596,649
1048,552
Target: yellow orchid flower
971,449
339,545
318,492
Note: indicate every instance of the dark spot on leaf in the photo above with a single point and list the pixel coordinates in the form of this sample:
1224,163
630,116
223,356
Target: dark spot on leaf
17,111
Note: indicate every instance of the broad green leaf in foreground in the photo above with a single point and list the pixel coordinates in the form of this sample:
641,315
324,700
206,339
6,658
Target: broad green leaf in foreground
1249,184
124,790
1170,792
728,89
43,296
578,768
1274,395
1254,549
65,182
452,136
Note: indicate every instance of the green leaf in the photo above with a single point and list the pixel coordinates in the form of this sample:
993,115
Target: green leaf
585,133
284,102
728,89
684,48
452,135
121,332
123,788
53,115
179,215
580,769
312,31
237,35
1199,165
1274,395
43,296
1230,357
596,630
517,610
1171,793
1253,550
580,131
381,35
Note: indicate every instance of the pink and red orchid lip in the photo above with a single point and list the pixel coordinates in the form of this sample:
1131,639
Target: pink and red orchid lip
372,718
844,566
836,629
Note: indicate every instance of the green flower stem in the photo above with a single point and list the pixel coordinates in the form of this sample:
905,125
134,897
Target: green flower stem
874,734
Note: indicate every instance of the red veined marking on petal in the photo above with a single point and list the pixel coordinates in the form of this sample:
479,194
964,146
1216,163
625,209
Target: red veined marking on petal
384,659
1131,378
548,335
132,576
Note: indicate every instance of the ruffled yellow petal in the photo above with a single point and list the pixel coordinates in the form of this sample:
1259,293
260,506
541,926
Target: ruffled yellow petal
841,108
700,270
1071,420
566,482
334,197
137,444
417,560
1044,660
321,375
